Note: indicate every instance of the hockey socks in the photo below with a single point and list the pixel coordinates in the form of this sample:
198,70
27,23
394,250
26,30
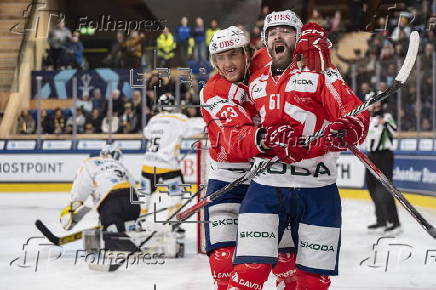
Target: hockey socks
284,270
249,276
310,281
220,261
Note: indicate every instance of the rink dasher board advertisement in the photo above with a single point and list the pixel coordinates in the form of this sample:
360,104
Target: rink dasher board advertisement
412,173
60,168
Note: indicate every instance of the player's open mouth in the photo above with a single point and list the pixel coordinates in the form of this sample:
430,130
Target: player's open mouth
279,49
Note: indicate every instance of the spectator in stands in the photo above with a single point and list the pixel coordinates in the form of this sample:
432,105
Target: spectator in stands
129,120
115,123
47,123
57,39
117,102
427,58
79,120
69,128
95,120
263,14
317,18
89,128
364,91
255,40
211,31
25,124
74,52
59,122
356,12
137,107
115,58
183,33
85,103
199,38
98,102
133,47
166,48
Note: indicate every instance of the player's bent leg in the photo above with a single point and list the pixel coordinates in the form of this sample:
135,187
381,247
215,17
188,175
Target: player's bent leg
284,270
310,281
220,261
249,276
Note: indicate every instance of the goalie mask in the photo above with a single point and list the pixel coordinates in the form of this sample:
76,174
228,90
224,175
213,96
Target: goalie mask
286,18
111,151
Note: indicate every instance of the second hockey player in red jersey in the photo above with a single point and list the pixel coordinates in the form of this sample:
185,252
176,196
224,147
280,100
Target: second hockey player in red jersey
305,96
234,138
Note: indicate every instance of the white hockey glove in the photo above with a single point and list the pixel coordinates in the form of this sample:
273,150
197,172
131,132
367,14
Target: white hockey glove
72,214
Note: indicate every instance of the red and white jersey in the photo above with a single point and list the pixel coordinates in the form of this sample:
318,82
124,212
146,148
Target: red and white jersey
229,116
307,101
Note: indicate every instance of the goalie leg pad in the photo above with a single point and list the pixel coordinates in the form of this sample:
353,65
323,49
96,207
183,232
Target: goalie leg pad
309,281
284,270
249,276
220,261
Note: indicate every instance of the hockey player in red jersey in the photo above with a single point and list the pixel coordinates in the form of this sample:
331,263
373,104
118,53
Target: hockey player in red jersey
229,113
307,95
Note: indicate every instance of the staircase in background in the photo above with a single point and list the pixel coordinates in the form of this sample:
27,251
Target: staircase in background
11,13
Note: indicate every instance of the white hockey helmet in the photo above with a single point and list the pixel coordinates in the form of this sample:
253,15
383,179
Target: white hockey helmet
231,37
111,151
286,17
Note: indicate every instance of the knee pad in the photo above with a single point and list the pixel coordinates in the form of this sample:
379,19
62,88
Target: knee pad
284,270
310,281
220,261
249,276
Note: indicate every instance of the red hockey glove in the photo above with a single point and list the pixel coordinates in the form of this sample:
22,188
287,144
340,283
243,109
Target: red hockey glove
315,47
342,132
279,136
283,142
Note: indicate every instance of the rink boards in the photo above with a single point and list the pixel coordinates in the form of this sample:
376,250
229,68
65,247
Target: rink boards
52,167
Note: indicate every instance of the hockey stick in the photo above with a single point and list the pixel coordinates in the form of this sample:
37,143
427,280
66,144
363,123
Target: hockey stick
213,196
399,81
59,241
431,230
62,240
120,262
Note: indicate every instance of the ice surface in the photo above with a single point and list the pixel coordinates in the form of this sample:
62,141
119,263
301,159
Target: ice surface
405,262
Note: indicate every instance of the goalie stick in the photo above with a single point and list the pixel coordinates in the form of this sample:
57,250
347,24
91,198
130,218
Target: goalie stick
399,81
59,241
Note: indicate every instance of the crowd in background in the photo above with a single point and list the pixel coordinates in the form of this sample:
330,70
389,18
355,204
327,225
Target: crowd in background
376,69
187,46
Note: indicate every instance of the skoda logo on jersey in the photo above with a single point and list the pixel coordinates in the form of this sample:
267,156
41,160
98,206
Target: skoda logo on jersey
224,222
302,82
256,234
317,247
